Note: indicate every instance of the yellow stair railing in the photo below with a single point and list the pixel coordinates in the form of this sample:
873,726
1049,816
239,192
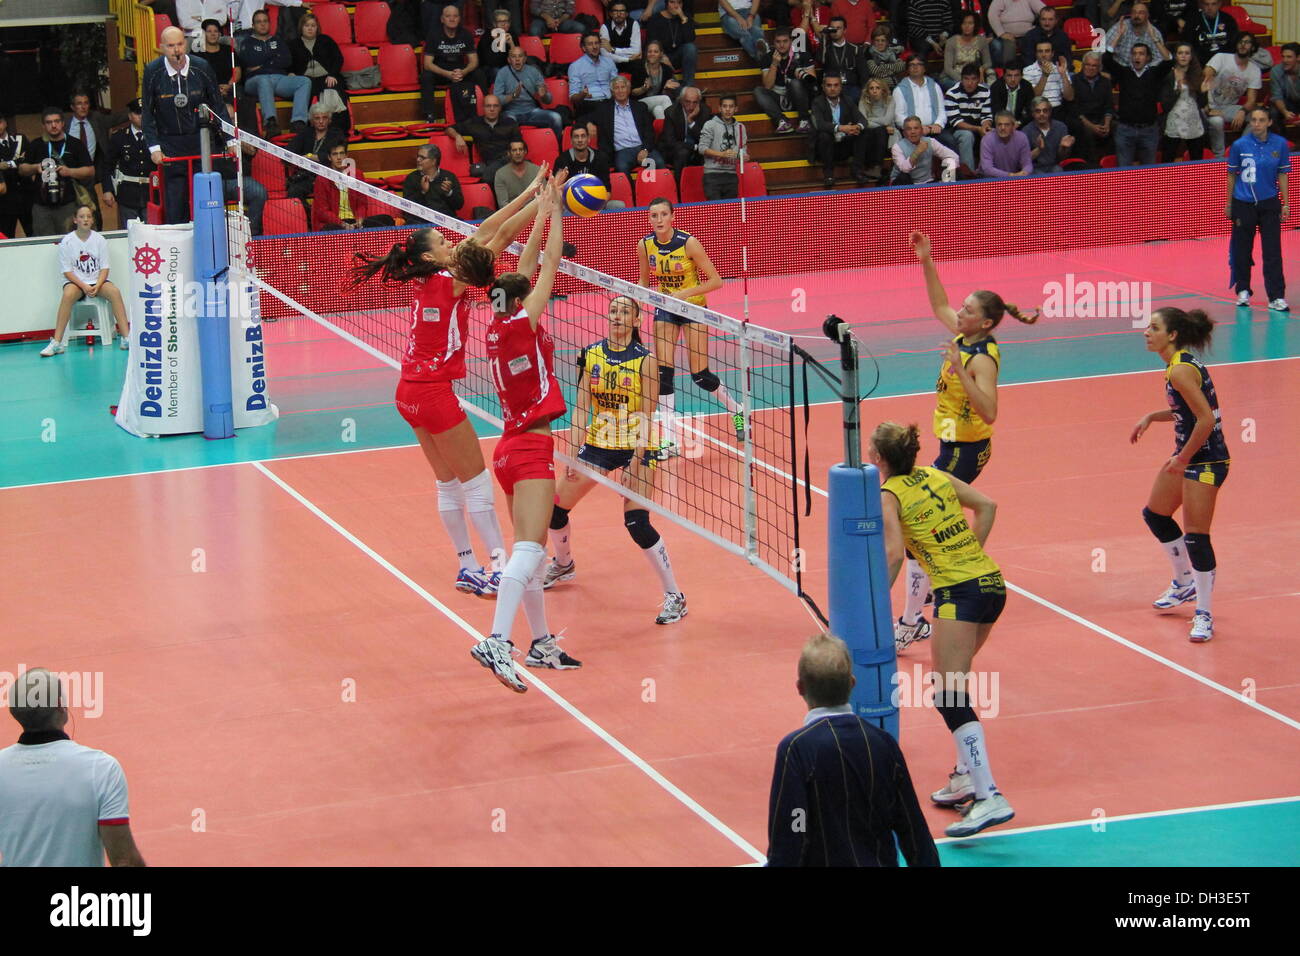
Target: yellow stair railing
136,37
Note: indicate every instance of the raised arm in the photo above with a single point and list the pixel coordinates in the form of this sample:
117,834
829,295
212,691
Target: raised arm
528,258
499,229
944,312
541,294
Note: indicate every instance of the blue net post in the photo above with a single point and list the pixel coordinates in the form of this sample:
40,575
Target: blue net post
211,262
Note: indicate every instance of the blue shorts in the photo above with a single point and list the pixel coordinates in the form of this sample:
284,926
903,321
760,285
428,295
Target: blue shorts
1207,472
661,315
964,459
606,459
977,601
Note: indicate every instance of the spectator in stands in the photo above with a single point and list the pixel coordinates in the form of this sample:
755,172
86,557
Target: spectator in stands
91,127
652,81
126,170
1006,154
590,76
1090,116
915,153
61,804
190,14
1012,93
335,208
929,24
554,16
1136,133
492,134
680,140
513,178
314,143
266,61
839,132
56,164
626,129
318,57
859,18
524,97
15,198
286,29
620,36
1049,79
1228,77
881,60
225,64
1181,103
1010,20
1047,29
449,61
432,186
1211,31
1137,28
514,9
877,108
255,194
970,115
838,57
1049,139
1171,16
967,46
494,50
722,144
675,32
1284,86
83,260
581,158
741,22
918,95
785,84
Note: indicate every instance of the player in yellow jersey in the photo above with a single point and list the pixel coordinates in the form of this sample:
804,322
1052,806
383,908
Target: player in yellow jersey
680,267
923,514
618,382
966,406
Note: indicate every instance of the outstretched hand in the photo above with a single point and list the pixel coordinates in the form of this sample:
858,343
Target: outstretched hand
920,244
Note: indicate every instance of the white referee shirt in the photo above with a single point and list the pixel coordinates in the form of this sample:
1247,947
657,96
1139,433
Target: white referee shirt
53,797
84,259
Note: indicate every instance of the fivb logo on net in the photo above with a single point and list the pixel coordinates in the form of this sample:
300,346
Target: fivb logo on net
916,688
82,691
1077,298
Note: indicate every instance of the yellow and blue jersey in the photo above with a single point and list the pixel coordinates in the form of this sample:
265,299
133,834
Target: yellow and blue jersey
935,529
671,265
1215,448
954,419
613,378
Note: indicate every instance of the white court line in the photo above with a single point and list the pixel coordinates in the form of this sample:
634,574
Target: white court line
569,708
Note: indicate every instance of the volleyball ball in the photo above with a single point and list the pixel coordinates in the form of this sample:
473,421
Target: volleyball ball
585,195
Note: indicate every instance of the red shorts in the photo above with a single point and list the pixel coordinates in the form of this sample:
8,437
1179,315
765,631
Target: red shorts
429,405
523,456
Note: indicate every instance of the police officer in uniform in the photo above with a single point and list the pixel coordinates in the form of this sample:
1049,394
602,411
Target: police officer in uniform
175,86
126,175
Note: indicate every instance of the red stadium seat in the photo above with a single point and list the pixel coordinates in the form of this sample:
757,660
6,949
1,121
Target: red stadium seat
653,183
566,142
1110,162
397,67
692,185
371,22
273,16
284,217
753,183
269,171
659,128
1244,22
533,46
559,88
565,47
450,114
477,194
1074,163
455,163
357,57
621,189
591,8
541,144
334,21
1079,30
160,23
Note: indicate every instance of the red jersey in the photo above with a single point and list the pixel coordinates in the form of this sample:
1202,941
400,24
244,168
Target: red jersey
520,360
435,349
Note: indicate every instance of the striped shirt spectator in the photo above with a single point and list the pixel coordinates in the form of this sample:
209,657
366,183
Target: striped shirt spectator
974,107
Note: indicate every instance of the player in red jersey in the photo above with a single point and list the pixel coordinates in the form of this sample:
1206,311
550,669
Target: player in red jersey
519,354
435,357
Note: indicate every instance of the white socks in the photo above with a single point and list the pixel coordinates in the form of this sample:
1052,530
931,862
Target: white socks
658,558
478,502
1179,561
535,605
971,751
918,585
519,570
560,541
451,509
1204,589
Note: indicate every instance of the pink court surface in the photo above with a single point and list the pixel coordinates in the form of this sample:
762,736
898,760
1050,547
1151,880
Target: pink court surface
308,698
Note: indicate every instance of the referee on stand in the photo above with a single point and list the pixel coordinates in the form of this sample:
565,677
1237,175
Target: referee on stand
841,792
1258,199
174,87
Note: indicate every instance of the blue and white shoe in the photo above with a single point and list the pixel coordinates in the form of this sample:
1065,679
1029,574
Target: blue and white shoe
491,583
497,656
1202,627
545,652
1175,595
981,815
470,581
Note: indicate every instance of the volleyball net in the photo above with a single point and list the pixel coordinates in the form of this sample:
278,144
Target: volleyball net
740,489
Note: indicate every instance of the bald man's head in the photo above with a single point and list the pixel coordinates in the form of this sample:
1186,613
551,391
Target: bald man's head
173,44
825,672
36,700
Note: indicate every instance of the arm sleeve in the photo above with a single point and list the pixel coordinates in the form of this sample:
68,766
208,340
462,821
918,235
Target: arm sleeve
987,167
499,188
787,814
575,78
902,157
995,17
1026,155
1234,157
66,261
900,109
110,791
410,187
456,198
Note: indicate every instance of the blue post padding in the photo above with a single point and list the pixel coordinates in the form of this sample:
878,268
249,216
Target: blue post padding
211,260
859,591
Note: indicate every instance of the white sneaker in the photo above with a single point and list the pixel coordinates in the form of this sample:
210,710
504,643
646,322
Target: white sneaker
1202,627
546,653
496,655
1279,305
124,342
557,572
1243,297
1175,595
981,815
54,348
905,634
674,609
959,790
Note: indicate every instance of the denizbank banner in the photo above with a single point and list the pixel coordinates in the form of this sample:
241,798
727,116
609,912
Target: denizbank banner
163,391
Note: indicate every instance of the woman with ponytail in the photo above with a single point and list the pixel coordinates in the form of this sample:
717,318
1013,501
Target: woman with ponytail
967,405
923,516
1192,477
440,273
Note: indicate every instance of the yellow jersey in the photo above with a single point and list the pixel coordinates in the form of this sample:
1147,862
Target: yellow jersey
671,266
613,380
935,529
954,419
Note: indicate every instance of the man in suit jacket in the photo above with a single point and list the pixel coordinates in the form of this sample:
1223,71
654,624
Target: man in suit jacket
626,129
1013,93
16,200
93,129
684,121
841,792
839,132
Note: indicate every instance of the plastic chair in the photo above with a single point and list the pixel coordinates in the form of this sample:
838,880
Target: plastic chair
592,8
398,70
160,23
1079,30
753,182
477,194
334,21
455,163
541,144
559,88
565,47
357,57
370,22
1110,162
283,217
692,184
96,310
1244,22
533,46
269,171
653,183
621,189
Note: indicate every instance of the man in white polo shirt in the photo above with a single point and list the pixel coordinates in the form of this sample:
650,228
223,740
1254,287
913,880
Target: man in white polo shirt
61,804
